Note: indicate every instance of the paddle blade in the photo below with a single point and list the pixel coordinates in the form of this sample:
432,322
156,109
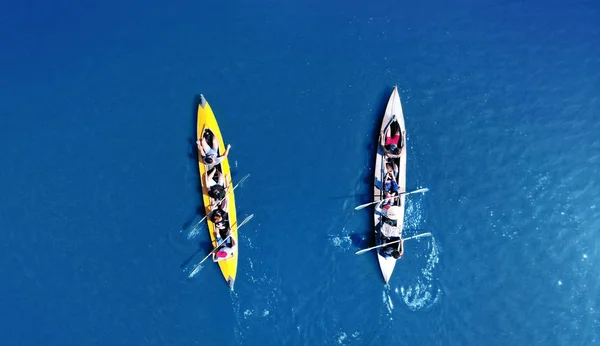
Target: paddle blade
427,234
242,180
419,190
360,252
363,206
195,271
246,220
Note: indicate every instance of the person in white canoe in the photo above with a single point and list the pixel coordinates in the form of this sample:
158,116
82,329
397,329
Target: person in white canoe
388,231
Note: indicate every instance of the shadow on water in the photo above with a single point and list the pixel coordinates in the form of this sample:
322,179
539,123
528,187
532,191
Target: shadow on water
359,239
378,115
193,153
203,246
372,142
348,196
193,223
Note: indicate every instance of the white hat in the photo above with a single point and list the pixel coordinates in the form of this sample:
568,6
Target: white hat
393,212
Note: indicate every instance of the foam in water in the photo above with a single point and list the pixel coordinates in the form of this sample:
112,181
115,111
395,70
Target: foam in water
420,295
193,233
413,215
263,295
541,185
387,301
247,242
195,228
343,242
235,302
343,338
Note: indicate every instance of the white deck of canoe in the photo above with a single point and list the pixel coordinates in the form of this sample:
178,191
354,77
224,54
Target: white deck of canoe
393,108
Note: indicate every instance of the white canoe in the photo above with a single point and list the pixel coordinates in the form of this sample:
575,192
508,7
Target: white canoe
394,108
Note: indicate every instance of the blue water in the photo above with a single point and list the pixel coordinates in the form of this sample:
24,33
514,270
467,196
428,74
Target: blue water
100,188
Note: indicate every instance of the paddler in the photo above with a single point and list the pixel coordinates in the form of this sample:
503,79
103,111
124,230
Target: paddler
390,199
393,250
391,168
390,191
225,251
216,189
389,232
390,184
209,154
392,142
220,218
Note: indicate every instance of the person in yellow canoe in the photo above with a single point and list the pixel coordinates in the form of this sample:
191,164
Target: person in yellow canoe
209,154
225,251
220,218
216,189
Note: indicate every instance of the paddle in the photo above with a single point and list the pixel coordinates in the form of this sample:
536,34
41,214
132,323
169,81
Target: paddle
205,216
219,245
392,242
362,206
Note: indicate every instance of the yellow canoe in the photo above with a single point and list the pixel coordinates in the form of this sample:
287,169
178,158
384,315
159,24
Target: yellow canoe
206,119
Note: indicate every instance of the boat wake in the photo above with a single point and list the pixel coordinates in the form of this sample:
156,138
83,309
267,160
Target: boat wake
422,293
387,301
417,290
262,287
237,331
343,338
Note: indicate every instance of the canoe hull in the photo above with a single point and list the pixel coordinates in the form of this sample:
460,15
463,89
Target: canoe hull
206,118
394,107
